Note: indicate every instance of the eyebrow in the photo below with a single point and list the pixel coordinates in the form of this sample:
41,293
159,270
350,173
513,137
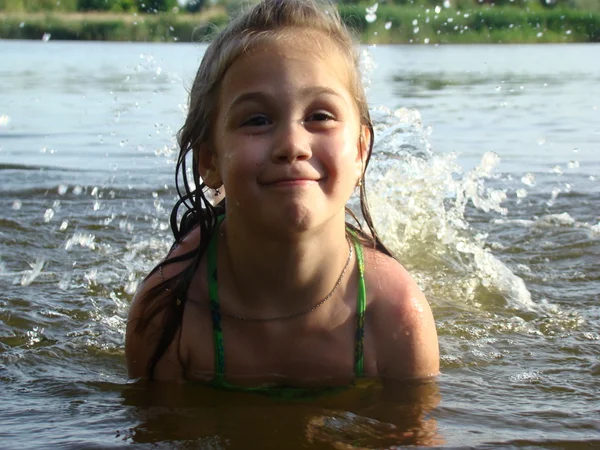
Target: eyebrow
264,96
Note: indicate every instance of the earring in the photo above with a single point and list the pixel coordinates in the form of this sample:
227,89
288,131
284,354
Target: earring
359,183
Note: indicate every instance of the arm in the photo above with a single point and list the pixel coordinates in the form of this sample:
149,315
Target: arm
141,344
407,352
412,350
404,330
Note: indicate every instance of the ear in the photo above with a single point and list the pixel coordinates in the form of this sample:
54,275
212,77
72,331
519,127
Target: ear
208,165
364,144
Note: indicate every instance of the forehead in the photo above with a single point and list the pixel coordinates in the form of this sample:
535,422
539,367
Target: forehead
296,56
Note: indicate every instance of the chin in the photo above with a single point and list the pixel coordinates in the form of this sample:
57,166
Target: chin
292,219
298,219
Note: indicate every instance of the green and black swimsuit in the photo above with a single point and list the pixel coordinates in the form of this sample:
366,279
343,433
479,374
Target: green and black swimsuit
219,377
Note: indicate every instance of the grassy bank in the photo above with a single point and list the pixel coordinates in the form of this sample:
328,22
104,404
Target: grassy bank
392,24
478,25
113,27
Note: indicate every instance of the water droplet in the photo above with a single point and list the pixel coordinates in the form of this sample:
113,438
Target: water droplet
557,170
48,215
447,4
528,179
62,189
426,41
65,281
415,30
438,9
521,193
541,141
415,22
22,24
46,37
17,205
568,32
85,240
573,164
372,9
371,15
64,225
540,34
388,25
77,190
36,269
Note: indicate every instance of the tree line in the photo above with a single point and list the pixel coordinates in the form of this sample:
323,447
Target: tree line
193,6
143,6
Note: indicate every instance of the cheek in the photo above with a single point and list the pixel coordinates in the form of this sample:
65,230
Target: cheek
239,165
348,150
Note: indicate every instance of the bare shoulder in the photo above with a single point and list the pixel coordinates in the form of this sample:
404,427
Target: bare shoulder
141,341
403,327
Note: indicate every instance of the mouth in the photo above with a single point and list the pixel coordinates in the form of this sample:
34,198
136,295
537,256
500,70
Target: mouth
291,182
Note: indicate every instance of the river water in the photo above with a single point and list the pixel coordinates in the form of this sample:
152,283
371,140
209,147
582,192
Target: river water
485,182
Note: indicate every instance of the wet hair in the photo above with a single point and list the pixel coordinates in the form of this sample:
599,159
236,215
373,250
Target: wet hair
269,19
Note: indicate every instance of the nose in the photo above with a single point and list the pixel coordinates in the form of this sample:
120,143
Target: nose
292,143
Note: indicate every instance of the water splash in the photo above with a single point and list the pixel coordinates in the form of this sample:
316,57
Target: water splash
31,275
371,15
419,201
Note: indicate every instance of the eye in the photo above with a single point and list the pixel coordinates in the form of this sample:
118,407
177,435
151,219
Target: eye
320,116
257,120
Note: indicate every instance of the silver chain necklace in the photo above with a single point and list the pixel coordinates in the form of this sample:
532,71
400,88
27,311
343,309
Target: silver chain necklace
306,311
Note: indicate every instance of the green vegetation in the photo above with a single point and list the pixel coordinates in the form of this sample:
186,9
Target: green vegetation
391,21
484,24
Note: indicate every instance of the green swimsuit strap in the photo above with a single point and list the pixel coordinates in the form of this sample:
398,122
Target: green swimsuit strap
213,296
361,308
213,293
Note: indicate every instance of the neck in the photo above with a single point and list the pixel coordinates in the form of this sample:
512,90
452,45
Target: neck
275,276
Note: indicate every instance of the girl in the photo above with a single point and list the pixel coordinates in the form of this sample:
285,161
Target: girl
271,287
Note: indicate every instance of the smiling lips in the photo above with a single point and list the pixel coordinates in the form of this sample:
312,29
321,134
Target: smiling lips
291,178
291,182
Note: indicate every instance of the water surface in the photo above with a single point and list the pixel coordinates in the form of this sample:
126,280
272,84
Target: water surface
484,181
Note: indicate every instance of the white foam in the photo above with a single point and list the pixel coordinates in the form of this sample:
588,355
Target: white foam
418,201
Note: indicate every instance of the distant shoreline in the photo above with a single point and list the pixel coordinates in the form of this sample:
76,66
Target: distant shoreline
393,25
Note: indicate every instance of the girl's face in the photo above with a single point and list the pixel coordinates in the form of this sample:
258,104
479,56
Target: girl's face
286,141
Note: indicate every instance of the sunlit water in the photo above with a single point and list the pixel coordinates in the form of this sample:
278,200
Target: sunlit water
486,186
